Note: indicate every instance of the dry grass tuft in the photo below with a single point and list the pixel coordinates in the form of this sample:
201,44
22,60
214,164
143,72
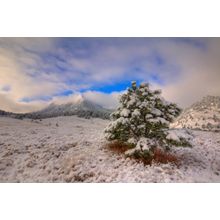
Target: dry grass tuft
118,147
161,156
158,156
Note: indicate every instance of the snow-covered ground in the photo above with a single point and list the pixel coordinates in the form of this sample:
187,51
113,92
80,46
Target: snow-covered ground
72,149
202,115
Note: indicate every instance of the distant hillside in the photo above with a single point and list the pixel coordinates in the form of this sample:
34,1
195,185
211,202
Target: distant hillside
81,107
4,113
10,114
202,115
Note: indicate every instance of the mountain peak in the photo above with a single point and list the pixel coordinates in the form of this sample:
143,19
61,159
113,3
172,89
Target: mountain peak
79,98
76,99
76,105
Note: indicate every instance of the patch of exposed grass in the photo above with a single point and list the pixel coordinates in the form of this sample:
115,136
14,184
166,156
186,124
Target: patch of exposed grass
156,156
118,146
161,156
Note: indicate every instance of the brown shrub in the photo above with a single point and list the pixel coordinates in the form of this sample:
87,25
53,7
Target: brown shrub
160,156
118,146
157,156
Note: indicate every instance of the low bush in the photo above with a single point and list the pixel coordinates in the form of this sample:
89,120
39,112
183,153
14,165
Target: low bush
147,157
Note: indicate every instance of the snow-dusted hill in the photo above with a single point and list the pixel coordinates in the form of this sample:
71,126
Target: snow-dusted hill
203,115
80,107
72,149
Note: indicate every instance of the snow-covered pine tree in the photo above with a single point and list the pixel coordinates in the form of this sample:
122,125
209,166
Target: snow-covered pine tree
142,121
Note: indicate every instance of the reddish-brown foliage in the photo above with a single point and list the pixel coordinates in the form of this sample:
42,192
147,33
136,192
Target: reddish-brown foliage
118,146
158,156
161,156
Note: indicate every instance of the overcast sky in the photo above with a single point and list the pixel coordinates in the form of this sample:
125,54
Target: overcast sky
38,71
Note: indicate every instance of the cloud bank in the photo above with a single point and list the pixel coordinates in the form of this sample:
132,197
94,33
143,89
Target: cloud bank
38,71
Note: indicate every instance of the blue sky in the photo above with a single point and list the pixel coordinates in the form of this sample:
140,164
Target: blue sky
37,71
94,54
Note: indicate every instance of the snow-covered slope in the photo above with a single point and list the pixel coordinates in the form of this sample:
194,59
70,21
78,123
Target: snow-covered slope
203,115
80,107
72,149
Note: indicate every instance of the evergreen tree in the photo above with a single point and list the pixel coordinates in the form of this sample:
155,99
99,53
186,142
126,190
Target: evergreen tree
142,121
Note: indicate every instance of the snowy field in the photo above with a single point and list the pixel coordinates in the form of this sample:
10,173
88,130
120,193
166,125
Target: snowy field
72,149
